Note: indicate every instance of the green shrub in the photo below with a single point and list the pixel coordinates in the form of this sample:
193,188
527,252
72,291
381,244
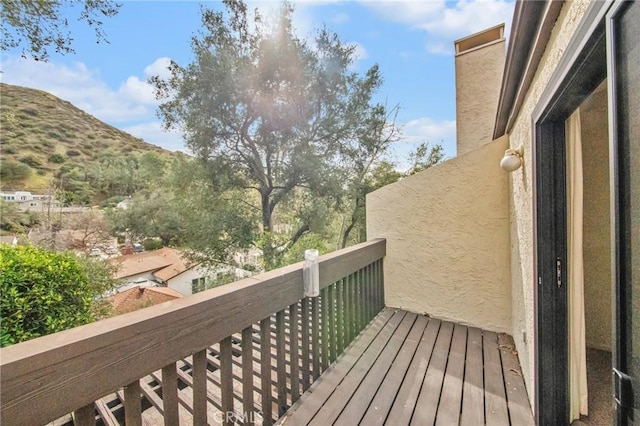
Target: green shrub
152,244
42,292
12,172
56,159
112,201
31,161
9,150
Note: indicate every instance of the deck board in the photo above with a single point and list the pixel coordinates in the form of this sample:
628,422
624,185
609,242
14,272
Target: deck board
473,390
381,404
312,400
371,381
407,397
409,369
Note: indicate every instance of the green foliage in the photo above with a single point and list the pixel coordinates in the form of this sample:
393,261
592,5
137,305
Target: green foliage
56,158
14,221
425,156
112,201
308,241
12,172
31,161
152,244
42,292
36,26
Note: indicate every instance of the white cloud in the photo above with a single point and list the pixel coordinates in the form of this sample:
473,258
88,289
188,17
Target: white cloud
138,91
359,53
158,67
340,18
470,16
133,100
426,129
131,107
444,22
421,130
152,132
407,12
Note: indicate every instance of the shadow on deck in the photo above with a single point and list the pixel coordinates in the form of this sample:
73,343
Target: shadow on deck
410,369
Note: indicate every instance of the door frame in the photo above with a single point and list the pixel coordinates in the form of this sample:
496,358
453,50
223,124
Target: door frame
623,387
581,69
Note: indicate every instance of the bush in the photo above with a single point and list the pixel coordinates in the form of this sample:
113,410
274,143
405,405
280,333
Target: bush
12,171
112,201
43,292
31,161
152,244
56,159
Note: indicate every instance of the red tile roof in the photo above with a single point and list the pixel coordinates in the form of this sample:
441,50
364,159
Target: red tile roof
141,297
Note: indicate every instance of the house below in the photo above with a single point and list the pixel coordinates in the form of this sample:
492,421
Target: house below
139,297
167,267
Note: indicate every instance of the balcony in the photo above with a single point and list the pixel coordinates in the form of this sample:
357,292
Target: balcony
258,352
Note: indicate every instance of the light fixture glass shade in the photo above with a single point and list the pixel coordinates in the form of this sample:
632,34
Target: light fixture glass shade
511,162
512,159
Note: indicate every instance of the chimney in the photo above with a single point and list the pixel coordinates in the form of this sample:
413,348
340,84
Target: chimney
479,66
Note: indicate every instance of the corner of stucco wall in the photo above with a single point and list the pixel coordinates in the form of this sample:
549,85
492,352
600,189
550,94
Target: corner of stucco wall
447,232
521,195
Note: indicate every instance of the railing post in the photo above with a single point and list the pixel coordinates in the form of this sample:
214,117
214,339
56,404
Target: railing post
226,381
199,389
315,336
307,355
248,408
170,394
294,354
265,371
132,406
324,319
85,416
331,301
281,363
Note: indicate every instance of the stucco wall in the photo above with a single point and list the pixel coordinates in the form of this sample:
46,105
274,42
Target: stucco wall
478,80
447,231
521,193
596,225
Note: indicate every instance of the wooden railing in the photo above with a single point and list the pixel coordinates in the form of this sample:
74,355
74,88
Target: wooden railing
240,353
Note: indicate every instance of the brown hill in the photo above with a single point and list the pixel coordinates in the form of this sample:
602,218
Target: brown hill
39,133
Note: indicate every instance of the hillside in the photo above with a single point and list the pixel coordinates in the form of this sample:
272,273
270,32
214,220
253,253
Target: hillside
45,133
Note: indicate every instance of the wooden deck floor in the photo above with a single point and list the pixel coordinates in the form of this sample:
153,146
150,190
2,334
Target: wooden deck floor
411,369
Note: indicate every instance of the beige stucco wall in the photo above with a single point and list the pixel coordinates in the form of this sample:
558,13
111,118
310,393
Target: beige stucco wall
447,231
596,222
521,193
478,80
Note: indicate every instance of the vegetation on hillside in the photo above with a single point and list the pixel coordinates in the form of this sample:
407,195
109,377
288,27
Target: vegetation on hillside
43,138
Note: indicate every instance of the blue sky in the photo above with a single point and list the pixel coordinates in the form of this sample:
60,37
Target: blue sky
412,41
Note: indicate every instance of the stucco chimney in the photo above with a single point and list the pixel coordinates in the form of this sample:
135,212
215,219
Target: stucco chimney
479,65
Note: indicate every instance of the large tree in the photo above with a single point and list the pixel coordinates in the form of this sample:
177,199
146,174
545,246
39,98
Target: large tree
270,112
35,26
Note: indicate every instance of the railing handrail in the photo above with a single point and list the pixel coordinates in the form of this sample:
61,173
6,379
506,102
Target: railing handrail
47,377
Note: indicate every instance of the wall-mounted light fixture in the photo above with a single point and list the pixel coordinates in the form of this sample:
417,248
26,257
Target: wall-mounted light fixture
512,159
